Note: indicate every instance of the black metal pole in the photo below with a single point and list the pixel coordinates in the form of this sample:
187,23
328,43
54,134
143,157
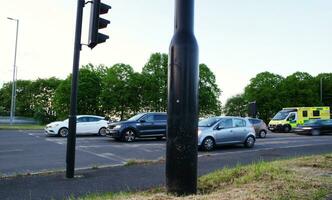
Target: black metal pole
182,123
71,138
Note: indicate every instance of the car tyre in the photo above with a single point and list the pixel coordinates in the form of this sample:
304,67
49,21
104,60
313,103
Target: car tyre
63,132
129,135
287,128
102,131
250,142
159,137
262,134
208,144
315,132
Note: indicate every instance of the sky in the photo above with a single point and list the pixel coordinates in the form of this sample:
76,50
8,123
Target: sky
237,38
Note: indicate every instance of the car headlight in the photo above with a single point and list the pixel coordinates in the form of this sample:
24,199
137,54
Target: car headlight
117,126
199,132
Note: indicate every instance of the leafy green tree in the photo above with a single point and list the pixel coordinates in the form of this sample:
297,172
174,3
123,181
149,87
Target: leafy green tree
120,95
326,87
265,90
299,89
88,95
154,86
236,106
42,101
209,92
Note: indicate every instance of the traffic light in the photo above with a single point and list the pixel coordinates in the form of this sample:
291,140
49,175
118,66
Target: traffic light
96,23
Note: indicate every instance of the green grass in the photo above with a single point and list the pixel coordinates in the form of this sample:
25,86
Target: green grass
21,127
306,178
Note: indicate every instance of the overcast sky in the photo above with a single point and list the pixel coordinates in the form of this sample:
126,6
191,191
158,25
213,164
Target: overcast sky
237,38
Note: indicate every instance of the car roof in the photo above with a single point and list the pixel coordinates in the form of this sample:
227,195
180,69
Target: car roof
90,116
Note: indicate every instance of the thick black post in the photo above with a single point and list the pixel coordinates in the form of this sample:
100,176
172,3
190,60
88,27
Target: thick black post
71,138
182,123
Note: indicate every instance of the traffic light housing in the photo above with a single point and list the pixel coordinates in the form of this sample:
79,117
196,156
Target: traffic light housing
96,23
252,109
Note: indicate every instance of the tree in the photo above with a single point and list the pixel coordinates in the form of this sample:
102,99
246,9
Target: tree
119,95
265,90
299,89
42,101
154,86
326,86
236,106
88,95
209,93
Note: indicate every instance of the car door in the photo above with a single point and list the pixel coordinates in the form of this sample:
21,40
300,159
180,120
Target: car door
223,131
239,131
82,125
159,124
93,125
145,125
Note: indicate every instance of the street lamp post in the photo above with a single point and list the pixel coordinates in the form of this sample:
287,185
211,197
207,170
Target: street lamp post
13,100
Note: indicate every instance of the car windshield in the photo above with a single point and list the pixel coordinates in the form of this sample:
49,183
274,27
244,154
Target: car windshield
208,122
281,115
136,117
312,122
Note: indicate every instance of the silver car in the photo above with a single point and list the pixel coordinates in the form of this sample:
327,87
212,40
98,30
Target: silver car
225,130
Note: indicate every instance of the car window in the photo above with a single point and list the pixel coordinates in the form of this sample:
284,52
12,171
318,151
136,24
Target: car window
239,123
208,122
82,119
226,123
160,117
148,118
94,119
254,121
326,122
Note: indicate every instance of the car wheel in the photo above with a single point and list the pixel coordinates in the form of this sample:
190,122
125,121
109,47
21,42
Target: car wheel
250,142
315,132
159,138
129,135
102,131
208,144
63,132
287,128
262,134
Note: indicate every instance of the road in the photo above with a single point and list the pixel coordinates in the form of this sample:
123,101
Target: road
31,151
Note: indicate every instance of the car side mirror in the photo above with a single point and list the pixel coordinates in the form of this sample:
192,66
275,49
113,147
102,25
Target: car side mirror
219,127
142,120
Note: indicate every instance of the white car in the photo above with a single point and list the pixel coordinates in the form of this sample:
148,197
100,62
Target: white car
86,124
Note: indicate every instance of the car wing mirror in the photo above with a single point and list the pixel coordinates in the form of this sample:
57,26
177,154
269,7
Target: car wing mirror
142,120
220,127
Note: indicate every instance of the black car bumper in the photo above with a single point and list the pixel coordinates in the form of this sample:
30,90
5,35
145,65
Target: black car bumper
276,128
113,133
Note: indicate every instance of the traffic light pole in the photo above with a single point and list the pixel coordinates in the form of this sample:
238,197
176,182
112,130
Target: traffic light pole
182,123
71,138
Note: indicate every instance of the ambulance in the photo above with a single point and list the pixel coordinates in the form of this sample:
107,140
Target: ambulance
288,118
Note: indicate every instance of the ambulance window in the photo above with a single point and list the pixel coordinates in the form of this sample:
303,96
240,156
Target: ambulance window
305,113
315,113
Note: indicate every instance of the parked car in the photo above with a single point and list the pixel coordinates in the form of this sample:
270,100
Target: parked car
142,125
315,127
225,130
260,127
86,124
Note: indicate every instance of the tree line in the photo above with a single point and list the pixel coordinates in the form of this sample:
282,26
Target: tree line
272,92
116,91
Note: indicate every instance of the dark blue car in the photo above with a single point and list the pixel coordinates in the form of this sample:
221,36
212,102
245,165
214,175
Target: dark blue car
315,127
143,125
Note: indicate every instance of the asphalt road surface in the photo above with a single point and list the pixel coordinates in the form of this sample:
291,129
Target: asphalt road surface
31,151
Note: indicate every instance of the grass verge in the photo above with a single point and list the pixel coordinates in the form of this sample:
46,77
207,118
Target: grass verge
305,178
21,127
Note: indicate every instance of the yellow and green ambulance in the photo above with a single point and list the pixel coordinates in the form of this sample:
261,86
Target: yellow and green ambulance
289,118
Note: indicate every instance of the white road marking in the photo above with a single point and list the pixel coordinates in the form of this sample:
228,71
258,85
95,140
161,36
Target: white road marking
262,149
11,150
